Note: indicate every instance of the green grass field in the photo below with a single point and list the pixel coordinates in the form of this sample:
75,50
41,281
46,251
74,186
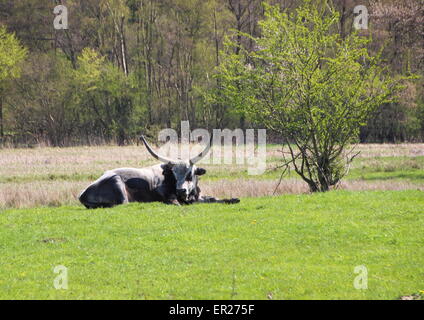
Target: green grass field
285,247
290,246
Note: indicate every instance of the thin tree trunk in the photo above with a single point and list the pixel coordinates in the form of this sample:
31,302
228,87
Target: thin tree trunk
123,47
215,27
1,119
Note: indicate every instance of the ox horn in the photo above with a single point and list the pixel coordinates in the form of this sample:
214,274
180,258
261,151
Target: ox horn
201,155
154,154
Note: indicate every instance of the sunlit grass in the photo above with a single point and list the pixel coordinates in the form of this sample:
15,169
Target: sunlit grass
287,247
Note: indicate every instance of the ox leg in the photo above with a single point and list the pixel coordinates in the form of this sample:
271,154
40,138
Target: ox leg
105,194
207,199
172,200
121,195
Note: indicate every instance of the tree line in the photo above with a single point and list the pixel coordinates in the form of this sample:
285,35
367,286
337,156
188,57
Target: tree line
128,66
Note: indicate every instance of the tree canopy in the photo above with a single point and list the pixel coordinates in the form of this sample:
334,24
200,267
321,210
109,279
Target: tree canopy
11,56
306,82
126,66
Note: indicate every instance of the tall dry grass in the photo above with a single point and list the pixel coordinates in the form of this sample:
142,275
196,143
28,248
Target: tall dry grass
372,150
57,193
54,176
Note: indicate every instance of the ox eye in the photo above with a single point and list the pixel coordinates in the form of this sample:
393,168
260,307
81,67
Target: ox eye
189,177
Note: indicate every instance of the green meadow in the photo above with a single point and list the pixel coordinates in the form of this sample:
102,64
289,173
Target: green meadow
293,245
285,247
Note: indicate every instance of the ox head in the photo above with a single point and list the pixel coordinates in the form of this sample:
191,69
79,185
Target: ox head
185,172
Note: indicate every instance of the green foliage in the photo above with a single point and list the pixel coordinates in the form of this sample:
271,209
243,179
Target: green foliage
44,95
96,74
11,55
90,69
108,92
163,55
290,247
308,84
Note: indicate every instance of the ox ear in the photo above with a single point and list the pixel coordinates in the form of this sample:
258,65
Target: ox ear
200,172
167,166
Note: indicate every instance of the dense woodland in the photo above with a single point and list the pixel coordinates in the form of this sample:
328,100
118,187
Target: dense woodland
130,66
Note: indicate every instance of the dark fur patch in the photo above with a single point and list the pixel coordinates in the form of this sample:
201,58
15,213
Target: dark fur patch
170,184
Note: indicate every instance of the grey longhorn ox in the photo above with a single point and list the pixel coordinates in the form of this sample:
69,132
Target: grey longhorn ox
171,182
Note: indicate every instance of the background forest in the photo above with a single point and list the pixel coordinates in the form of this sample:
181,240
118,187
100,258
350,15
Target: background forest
130,66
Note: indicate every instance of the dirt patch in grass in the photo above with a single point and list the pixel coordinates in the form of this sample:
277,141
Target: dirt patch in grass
54,240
